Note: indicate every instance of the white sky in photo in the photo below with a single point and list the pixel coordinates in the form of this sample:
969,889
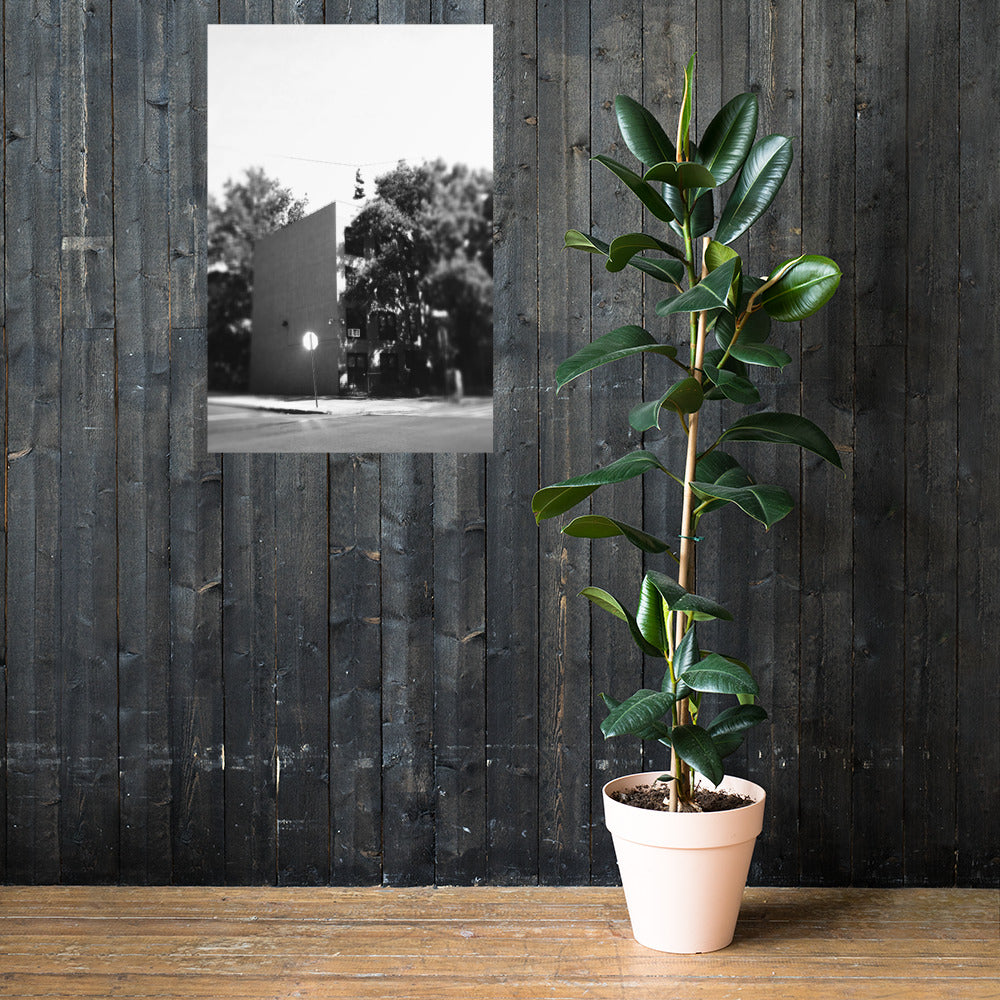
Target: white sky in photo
282,96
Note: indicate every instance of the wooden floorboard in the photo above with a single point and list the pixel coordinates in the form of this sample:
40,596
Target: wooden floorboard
486,942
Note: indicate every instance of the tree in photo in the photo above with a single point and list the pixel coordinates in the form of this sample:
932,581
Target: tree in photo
250,208
429,235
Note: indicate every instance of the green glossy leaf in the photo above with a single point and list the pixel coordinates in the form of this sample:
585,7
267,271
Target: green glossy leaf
713,467
728,743
711,292
623,248
766,355
767,504
681,175
642,133
803,289
783,428
623,342
712,359
596,526
575,240
650,616
679,599
736,719
684,119
655,731
702,215
606,602
639,188
684,396
671,271
762,175
685,656
695,746
636,714
719,468
716,674
756,329
732,386
717,254
560,497
729,136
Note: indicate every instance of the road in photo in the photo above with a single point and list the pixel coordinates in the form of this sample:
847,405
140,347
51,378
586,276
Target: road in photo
353,426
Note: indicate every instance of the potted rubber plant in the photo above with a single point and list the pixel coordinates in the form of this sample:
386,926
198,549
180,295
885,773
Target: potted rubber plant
684,836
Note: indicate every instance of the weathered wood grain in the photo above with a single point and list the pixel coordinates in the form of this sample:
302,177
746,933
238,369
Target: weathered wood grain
565,450
355,726
302,680
249,651
407,560
977,708
827,499
512,627
142,348
33,365
931,593
459,668
880,317
88,668
795,943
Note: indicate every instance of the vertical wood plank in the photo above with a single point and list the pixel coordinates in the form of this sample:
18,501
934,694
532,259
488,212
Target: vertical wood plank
355,608
188,179
196,682
615,300
142,286
32,339
512,470
249,642
459,668
351,12
87,261
827,499
302,681
246,11
931,448
407,670
880,439
978,704
196,690
298,11
87,673
773,597
564,444
88,662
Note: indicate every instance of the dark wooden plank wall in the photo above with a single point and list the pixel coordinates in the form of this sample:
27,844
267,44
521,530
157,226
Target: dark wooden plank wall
353,669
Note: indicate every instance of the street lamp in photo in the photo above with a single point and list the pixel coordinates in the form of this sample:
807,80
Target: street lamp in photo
310,342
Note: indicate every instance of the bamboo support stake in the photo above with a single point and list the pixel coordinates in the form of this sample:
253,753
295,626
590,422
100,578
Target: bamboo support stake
686,560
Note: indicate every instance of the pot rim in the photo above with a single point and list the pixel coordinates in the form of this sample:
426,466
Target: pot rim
648,777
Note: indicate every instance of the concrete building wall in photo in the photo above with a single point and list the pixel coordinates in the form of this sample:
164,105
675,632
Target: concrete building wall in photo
298,284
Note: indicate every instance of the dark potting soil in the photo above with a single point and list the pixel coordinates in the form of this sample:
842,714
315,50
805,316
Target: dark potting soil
657,797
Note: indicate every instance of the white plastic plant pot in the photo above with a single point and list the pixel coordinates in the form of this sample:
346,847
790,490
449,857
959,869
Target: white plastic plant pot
684,873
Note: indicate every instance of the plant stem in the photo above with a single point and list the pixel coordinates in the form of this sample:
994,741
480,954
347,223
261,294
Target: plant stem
686,561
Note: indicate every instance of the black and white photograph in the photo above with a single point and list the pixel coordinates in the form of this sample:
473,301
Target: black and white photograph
350,238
